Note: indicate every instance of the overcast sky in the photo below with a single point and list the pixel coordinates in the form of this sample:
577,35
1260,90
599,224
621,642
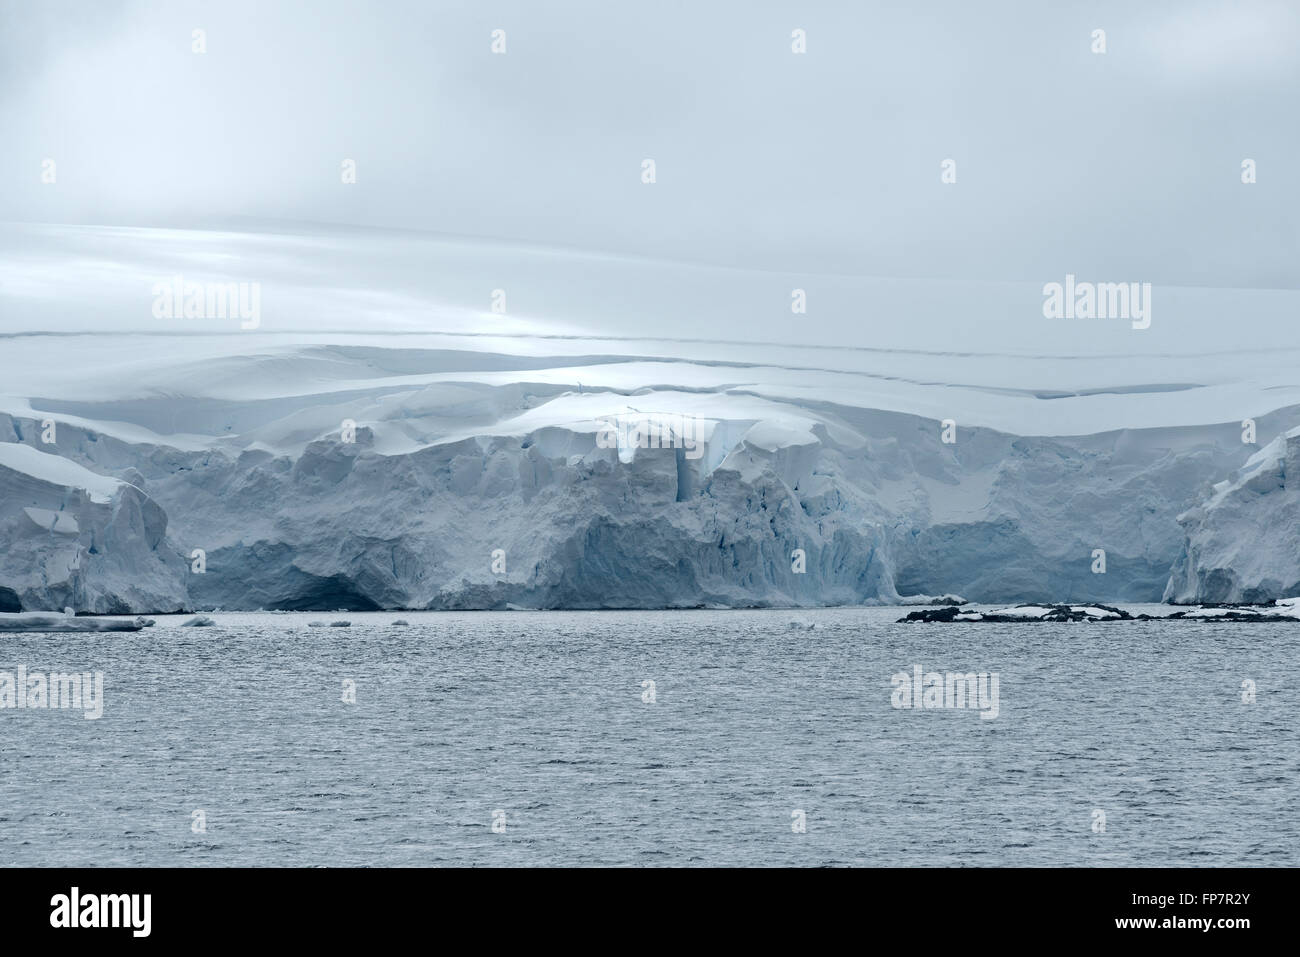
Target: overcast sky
1122,166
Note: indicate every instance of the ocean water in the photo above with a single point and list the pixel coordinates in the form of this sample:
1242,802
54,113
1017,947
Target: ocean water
756,716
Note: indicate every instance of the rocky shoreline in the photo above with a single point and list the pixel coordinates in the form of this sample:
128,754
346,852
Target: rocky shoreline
1284,609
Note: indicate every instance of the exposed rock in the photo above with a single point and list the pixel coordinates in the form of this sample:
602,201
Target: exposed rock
1022,613
1282,610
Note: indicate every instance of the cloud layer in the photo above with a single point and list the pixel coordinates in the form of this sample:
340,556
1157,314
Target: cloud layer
1124,165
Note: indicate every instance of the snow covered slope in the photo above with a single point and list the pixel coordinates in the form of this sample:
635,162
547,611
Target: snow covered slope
380,441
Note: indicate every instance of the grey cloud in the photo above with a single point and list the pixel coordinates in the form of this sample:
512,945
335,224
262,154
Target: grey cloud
1124,165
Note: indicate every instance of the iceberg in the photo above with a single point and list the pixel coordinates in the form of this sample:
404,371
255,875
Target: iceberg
45,621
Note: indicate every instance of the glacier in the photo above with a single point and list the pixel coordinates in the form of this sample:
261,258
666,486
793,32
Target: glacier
1243,541
456,461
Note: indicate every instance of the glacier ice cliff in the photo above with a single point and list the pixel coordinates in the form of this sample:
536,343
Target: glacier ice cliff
101,549
381,441
1243,541
545,518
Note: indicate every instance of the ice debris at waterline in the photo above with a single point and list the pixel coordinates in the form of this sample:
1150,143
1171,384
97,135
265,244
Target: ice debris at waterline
56,621
1284,609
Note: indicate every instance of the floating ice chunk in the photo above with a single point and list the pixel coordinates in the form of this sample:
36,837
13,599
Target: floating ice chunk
53,621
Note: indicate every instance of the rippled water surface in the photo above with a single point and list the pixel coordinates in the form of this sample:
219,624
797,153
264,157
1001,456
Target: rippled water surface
540,715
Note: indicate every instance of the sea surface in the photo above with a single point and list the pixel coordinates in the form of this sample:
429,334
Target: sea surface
540,717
